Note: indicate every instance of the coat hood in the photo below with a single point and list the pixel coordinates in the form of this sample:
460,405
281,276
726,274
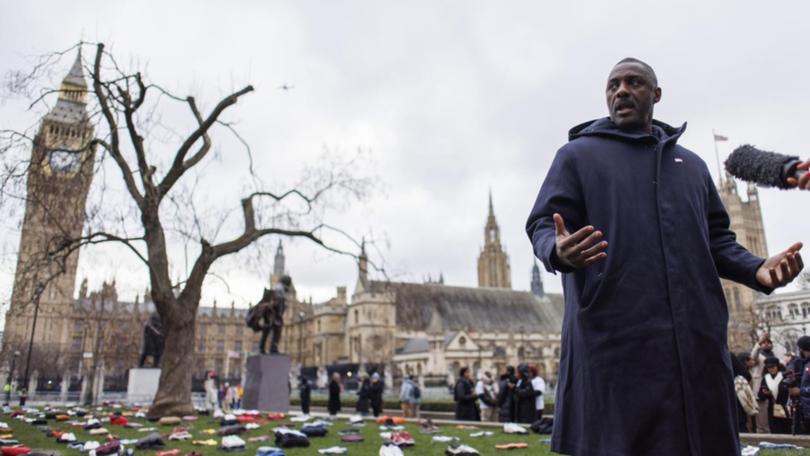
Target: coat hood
606,127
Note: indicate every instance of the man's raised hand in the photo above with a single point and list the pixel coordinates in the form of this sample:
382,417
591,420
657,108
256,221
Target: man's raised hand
780,269
580,249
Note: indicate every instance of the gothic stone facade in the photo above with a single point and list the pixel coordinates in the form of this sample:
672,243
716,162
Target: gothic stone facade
745,317
430,330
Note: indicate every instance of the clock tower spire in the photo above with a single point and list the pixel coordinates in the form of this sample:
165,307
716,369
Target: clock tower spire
59,176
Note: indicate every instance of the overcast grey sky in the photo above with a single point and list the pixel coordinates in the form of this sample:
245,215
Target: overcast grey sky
451,98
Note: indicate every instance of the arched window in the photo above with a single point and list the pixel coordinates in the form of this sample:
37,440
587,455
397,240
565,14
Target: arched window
793,310
805,309
774,313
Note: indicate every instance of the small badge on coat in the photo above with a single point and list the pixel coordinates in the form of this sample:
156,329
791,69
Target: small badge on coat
678,160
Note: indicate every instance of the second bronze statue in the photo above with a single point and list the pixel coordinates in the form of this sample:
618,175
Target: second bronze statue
268,314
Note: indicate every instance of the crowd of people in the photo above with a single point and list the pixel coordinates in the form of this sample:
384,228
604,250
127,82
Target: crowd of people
773,388
223,396
518,397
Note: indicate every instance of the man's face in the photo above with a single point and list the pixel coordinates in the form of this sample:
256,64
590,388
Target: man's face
631,93
766,345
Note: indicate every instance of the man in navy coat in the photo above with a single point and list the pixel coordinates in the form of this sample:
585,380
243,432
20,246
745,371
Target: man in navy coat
635,224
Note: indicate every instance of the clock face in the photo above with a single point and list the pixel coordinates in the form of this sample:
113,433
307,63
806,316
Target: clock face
64,161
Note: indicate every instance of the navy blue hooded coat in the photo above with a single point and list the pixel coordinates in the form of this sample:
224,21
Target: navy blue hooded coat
644,366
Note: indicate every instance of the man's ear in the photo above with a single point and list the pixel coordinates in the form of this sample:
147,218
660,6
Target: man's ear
657,96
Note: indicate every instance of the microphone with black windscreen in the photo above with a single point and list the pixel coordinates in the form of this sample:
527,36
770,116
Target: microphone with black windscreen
764,168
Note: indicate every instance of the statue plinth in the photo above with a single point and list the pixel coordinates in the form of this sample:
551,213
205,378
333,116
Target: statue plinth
143,385
267,385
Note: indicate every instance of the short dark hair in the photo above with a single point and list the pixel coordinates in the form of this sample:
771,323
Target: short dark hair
462,371
643,64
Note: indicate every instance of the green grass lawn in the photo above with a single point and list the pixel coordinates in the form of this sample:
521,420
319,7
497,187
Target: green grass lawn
30,436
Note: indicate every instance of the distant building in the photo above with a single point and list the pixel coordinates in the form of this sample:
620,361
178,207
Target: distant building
430,330
786,316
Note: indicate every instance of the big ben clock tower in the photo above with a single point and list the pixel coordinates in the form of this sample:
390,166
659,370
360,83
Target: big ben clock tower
59,175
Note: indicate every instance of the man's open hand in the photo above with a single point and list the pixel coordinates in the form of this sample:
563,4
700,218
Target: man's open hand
780,269
804,182
580,249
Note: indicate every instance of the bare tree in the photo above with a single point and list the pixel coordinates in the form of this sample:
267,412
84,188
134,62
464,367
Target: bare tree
161,203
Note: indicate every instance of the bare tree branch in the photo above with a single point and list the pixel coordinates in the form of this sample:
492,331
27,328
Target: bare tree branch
180,165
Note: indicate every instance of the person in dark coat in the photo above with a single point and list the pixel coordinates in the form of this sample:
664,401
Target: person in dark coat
464,395
334,394
635,224
775,394
376,394
524,396
740,366
798,382
506,396
363,397
305,392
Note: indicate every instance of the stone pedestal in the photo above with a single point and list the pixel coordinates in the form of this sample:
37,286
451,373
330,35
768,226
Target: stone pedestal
267,385
143,385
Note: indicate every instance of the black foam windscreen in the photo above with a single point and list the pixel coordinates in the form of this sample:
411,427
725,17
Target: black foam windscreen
759,166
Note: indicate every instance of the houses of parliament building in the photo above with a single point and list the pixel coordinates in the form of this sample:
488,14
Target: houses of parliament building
427,329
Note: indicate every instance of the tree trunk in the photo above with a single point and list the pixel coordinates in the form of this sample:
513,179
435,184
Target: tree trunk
173,397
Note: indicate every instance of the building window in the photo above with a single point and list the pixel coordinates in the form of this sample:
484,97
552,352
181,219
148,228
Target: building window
201,346
319,326
356,316
805,309
76,343
237,346
221,329
793,310
220,345
462,341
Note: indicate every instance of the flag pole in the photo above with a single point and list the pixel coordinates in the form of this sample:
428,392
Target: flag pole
717,156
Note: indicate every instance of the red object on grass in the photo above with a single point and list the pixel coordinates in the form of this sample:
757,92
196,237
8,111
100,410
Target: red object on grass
15,450
118,420
276,416
246,419
173,452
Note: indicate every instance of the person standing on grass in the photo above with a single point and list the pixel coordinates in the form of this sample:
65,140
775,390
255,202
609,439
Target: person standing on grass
464,395
408,397
774,392
304,393
335,389
525,397
539,386
762,351
487,397
376,394
506,396
636,226
363,396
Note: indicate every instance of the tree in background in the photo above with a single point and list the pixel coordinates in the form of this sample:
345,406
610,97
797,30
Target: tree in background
160,206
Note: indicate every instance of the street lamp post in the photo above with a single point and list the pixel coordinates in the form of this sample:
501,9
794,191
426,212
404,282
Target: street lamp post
23,391
11,375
